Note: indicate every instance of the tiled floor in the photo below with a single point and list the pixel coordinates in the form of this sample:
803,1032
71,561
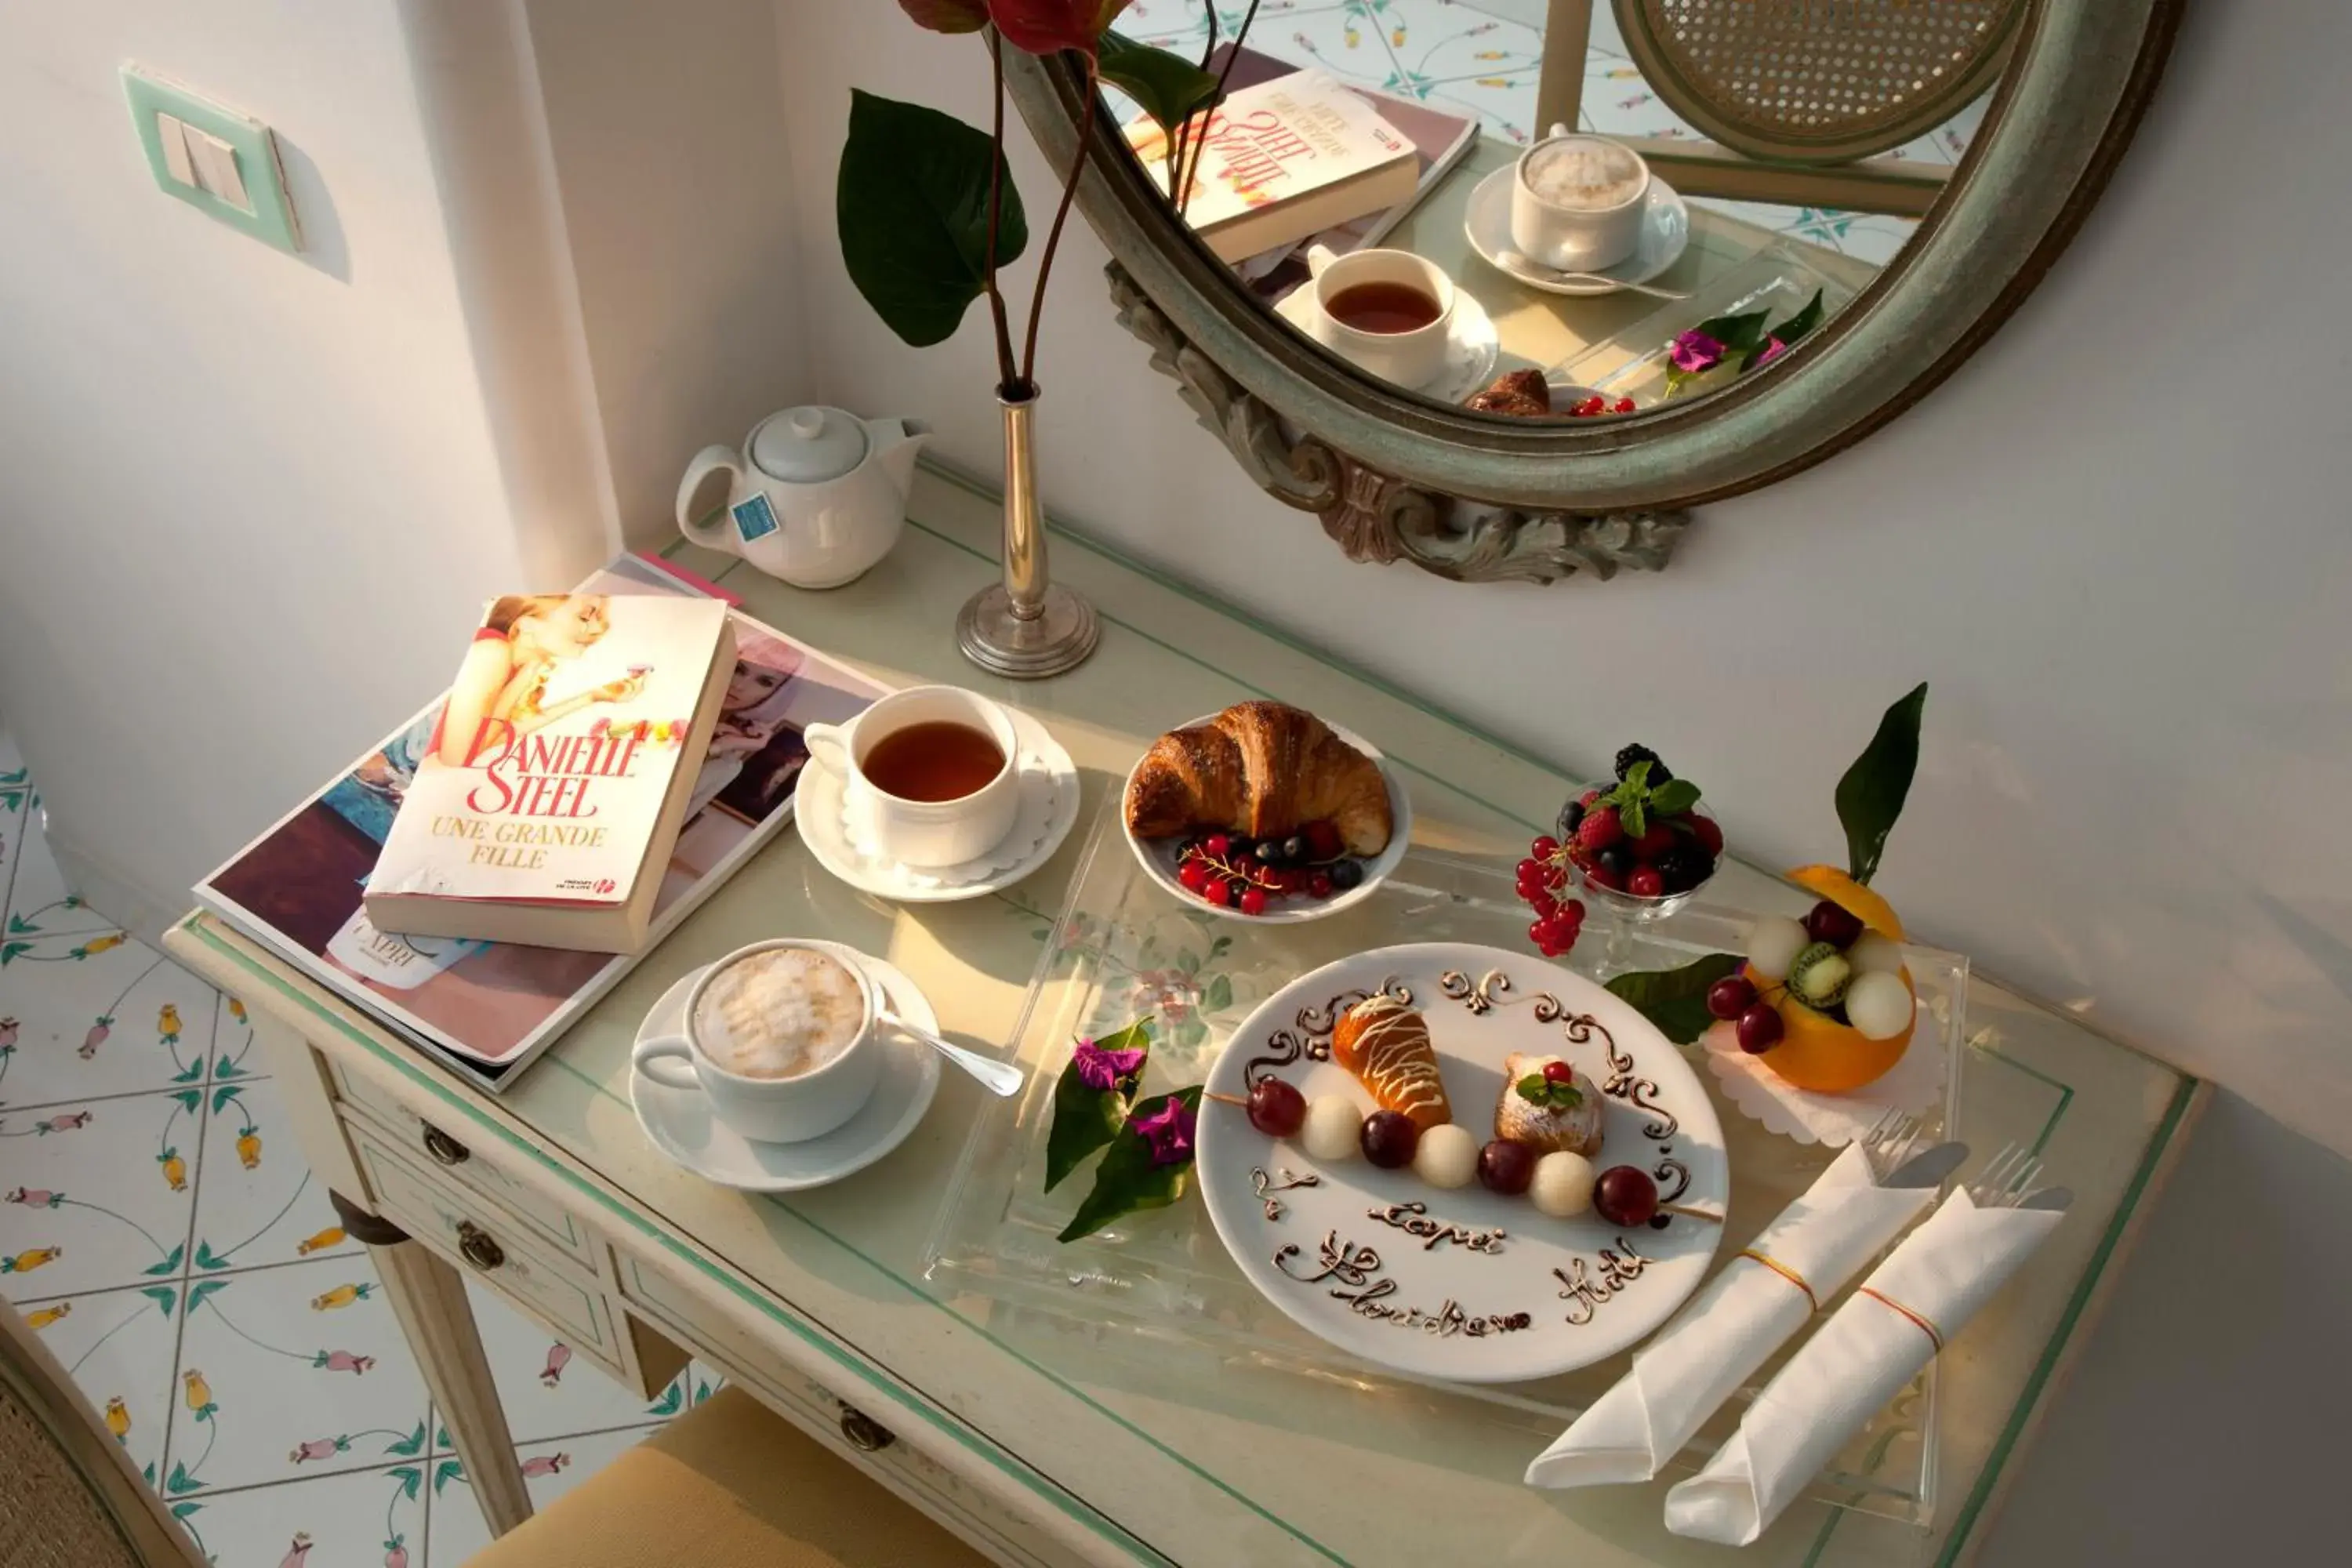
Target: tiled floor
1484,58
159,1228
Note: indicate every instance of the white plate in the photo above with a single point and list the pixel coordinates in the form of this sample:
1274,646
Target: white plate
1666,233
1473,346
1049,809
678,1122
1158,856
1482,1003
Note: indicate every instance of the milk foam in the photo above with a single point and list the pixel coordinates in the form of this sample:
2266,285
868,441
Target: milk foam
779,1013
1587,174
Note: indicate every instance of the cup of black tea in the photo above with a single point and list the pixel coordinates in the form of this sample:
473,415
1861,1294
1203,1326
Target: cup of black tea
1388,312
931,775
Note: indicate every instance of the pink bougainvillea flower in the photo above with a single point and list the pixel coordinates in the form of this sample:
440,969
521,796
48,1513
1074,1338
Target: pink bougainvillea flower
1169,1131
1695,352
948,15
1046,27
1100,1068
1772,351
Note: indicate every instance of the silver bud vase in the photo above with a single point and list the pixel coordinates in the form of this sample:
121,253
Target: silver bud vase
1027,626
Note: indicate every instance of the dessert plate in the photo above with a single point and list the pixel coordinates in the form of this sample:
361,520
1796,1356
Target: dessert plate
1158,856
678,1122
1665,234
1049,809
1473,346
1483,1288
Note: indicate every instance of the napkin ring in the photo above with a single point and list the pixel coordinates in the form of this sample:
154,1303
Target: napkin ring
1920,1318
1794,1277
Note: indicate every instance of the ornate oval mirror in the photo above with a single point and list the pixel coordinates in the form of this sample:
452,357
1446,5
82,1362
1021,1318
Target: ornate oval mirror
1503,286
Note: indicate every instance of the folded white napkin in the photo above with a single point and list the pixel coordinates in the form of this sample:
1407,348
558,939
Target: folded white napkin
1728,1329
1909,1307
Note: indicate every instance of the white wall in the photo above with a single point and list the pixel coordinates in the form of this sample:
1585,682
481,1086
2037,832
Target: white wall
248,500
2115,543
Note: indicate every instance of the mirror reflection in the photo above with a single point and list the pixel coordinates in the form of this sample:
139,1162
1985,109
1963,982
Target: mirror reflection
1559,209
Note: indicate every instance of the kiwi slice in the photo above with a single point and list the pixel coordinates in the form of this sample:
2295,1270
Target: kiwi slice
1819,976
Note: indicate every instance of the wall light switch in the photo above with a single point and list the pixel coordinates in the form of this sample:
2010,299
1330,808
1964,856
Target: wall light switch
212,157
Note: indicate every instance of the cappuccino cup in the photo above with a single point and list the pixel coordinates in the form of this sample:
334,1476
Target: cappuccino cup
780,1037
1577,202
930,775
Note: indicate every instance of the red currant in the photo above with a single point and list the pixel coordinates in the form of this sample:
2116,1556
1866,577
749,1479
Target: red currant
1558,1072
1219,893
1219,845
1624,405
1319,884
1533,872
1253,900
1194,875
1545,848
1645,882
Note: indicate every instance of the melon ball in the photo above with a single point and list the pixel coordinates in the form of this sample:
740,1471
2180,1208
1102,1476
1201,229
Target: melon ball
1562,1187
1873,953
1334,1128
1447,1157
1773,944
1879,1005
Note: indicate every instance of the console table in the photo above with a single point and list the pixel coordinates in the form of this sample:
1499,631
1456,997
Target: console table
1035,1439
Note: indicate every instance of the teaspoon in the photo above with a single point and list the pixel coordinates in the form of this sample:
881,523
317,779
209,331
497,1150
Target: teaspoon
1536,272
997,1078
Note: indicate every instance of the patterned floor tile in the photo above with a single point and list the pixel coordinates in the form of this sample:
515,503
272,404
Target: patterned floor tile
257,1202
233,1057
547,1394
120,1348
286,1373
549,1469
97,1194
121,1019
367,1518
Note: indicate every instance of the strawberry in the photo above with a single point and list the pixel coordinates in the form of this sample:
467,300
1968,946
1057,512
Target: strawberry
1599,829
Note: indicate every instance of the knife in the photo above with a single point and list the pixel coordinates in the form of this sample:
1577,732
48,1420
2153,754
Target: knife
1928,1167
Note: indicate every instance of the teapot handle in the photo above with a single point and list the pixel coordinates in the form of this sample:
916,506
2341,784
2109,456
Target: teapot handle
714,534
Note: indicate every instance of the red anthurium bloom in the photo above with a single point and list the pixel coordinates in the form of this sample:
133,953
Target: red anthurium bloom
948,15
1044,26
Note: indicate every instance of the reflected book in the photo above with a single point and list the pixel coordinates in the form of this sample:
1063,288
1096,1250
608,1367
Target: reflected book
489,1008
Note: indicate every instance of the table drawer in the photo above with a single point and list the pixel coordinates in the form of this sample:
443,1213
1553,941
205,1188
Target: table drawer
422,1141
493,1245
840,1426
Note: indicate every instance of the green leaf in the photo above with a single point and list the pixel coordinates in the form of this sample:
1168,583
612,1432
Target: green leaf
1676,999
164,1296
1870,796
410,1446
1127,1182
1531,1087
224,1096
447,1471
410,1479
948,15
1738,333
1634,817
171,1264
912,204
1085,1118
1636,780
1674,798
1169,88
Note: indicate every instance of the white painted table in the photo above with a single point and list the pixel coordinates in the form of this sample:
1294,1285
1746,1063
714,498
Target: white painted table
1039,1444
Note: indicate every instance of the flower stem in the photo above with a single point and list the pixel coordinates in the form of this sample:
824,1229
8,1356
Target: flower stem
1200,144
1054,236
995,212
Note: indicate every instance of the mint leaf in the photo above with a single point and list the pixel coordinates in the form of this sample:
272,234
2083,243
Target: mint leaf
1127,1182
1085,1117
1676,999
1674,797
1566,1097
1531,1087
1870,796
1637,778
1636,819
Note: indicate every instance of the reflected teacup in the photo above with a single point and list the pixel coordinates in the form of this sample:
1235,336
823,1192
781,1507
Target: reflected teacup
1388,312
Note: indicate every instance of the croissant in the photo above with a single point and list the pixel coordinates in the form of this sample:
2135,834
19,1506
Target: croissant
1523,393
1259,768
1386,1045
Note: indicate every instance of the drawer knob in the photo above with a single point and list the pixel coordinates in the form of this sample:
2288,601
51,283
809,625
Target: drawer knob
477,1247
863,1432
445,1149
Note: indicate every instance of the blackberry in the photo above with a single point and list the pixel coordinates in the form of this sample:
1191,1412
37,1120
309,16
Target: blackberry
1685,866
1659,772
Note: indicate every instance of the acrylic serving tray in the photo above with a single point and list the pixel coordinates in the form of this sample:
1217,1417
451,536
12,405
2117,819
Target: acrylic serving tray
1159,1295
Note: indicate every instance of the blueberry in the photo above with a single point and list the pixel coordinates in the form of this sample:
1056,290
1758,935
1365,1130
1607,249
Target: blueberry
1234,890
1346,874
1294,850
1615,861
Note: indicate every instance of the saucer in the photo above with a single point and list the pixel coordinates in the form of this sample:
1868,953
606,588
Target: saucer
1049,809
678,1122
1472,344
1665,234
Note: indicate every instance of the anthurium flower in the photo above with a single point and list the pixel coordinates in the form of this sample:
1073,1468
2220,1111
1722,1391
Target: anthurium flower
1100,1068
948,15
1046,27
1168,1131
1695,352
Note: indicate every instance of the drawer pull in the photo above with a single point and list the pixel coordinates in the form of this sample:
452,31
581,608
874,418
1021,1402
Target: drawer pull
864,1432
445,1149
477,1247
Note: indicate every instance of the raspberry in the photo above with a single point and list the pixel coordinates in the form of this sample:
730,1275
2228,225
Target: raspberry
1704,829
1599,829
1655,841
1588,798
1659,773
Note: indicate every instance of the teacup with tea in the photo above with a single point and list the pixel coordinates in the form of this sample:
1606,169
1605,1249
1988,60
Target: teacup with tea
931,774
1388,313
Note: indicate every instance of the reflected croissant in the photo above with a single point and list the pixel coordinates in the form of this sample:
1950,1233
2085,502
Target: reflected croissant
1259,768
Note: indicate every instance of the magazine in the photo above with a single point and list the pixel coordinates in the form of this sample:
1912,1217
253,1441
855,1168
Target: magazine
490,1008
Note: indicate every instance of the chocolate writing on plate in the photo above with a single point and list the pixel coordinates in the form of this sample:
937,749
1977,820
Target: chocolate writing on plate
1310,1034
1587,1289
1414,1220
1282,1180
1354,1276
1493,989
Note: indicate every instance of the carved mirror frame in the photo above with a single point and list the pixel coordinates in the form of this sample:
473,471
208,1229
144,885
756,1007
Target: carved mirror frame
1394,475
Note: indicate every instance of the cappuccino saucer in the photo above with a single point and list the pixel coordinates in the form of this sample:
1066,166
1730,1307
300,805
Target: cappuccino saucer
678,1122
1049,809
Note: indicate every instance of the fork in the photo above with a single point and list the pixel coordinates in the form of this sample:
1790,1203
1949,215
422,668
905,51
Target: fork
2007,1180
1889,1142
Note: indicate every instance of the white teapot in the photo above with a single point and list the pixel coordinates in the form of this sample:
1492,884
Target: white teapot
817,496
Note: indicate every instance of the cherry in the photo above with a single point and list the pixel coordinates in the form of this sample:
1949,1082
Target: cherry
1833,923
1645,882
1389,1139
1730,996
1558,1072
1760,1030
1625,1196
1507,1167
1275,1108
1253,900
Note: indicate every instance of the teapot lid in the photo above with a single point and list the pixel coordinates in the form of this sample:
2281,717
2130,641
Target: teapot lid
810,444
